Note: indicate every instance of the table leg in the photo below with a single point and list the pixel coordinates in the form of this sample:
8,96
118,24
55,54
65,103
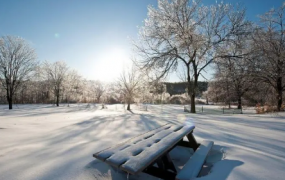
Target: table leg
160,164
165,170
192,141
168,163
160,173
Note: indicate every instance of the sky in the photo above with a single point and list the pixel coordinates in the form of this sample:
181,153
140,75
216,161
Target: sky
91,36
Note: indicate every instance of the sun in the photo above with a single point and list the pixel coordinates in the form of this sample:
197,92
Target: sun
111,64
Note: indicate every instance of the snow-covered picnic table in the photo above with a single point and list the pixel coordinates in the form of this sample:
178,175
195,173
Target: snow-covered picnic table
140,153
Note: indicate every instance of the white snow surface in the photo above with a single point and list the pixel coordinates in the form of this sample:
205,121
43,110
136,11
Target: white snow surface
46,142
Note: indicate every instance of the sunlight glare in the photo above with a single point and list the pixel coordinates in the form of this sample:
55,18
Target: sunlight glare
111,64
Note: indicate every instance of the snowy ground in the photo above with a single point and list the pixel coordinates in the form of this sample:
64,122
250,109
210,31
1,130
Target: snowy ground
47,142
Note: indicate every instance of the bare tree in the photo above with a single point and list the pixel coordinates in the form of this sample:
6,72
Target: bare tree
129,84
73,84
17,62
98,89
112,93
223,87
233,71
215,91
205,95
56,74
155,85
269,46
187,33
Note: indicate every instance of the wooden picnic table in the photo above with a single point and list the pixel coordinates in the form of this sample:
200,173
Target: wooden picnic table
139,154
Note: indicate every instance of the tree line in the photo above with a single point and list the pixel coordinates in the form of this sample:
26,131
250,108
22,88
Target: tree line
188,36
255,70
24,79
177,36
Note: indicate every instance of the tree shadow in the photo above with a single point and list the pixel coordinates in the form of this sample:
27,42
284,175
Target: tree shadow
259,142
101,170
68,146
73,144
45,109
131,111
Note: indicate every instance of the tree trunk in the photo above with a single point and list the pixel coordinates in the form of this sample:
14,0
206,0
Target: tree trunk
239,102
22,97
57,100
228,94
10,100
10,104
129,106
9,97
193,109
192,89
279,94
279,103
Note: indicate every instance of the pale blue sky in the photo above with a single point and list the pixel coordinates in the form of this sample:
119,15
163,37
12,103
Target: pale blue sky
90,35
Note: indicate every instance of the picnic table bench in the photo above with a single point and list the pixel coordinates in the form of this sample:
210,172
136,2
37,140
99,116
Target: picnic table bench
149,153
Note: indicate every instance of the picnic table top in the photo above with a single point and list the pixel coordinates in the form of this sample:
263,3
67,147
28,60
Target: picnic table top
137,153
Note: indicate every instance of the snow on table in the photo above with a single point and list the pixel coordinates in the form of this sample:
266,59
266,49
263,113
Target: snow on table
139,152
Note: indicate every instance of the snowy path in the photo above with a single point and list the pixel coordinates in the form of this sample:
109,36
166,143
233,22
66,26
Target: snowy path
45,142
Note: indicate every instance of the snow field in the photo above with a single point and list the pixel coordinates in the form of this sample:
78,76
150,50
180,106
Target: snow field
47,142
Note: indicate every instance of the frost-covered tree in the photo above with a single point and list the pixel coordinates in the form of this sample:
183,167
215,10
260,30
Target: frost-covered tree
205,95
269,46
17,62
220,89
73,84
111,93
155,86
98,90
158,89
233,71
41,86
187,33
130,83
214,91
56,73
